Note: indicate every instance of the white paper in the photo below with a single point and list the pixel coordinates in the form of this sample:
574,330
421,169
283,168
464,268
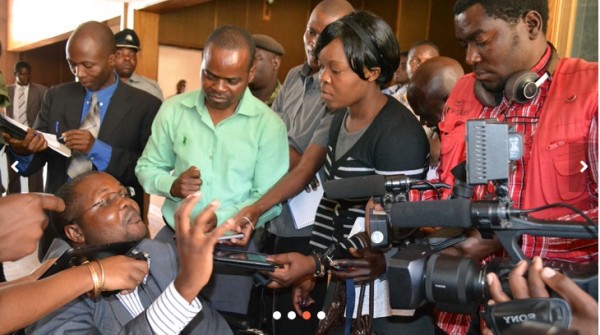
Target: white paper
304,206
381,289
55,145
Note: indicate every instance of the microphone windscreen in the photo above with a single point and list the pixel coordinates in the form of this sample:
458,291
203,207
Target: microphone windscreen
356,187
453,213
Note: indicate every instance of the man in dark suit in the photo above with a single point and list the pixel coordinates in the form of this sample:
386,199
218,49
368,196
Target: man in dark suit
27,100
120,116
98,211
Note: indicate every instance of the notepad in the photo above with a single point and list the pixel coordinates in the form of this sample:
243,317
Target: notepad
18,130
304,206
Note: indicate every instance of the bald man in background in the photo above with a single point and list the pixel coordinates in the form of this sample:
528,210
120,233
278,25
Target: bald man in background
418,53
427,92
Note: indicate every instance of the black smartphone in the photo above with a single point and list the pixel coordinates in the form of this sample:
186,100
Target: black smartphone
77,256
244,259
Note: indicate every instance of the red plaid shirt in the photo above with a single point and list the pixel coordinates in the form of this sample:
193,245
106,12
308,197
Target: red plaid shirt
524,117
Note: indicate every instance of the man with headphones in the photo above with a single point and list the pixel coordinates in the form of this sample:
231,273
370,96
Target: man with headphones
519,79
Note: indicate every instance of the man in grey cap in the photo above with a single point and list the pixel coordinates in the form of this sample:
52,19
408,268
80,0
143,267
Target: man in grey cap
128,45
265,85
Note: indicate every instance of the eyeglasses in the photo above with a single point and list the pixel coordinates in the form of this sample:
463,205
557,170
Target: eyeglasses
109,199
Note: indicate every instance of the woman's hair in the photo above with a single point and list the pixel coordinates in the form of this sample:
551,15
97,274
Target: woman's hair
368,42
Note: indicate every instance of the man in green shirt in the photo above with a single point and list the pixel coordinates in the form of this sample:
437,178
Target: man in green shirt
220,140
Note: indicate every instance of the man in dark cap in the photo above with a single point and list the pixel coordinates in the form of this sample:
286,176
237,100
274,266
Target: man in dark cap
265,85
128,45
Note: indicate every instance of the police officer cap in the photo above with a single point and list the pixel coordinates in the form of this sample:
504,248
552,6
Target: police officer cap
268,43
127,38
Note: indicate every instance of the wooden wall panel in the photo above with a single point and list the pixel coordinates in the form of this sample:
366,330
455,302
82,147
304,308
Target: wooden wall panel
287,24
189,27
146,26
7,59
441,31
413,22
386,9
231,12
48,64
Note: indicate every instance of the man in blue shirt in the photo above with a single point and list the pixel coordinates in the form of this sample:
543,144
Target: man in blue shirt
125,115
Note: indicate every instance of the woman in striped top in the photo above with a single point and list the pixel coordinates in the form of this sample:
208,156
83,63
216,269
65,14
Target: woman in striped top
372,134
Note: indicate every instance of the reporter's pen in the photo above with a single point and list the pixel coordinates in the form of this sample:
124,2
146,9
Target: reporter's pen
58,137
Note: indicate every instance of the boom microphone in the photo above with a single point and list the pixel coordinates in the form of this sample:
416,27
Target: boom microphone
356,187
462,213
453,213
375,185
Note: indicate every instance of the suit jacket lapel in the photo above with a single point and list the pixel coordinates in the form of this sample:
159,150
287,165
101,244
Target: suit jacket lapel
74,106
115,113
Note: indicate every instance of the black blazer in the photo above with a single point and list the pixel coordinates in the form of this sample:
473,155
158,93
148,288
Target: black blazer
126,128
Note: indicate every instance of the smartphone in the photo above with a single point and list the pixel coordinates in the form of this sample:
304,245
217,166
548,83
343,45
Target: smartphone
229,237
244,259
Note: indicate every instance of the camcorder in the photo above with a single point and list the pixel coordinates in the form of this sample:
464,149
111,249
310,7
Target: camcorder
419,274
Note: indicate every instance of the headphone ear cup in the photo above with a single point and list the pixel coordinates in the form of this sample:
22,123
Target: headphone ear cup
521,87
486,97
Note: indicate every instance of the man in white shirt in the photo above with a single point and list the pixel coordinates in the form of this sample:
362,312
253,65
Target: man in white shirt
27,99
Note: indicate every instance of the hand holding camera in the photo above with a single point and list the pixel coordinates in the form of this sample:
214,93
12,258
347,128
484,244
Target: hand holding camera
535,280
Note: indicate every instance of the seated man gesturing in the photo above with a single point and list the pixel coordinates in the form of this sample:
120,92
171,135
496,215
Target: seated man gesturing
99,211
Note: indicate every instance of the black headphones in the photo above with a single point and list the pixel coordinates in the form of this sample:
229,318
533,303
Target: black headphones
520,87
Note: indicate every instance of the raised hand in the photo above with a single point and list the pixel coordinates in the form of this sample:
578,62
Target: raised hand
195,246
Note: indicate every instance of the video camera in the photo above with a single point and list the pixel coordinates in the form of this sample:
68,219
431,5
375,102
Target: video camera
418,274
456,284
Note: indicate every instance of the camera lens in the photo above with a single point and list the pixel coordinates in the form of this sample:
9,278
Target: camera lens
453,280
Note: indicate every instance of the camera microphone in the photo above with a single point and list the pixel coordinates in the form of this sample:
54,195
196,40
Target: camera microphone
375,185
489,215
356,187
454,213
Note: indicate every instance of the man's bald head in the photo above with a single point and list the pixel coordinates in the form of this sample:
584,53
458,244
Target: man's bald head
324,13
334,7
91,55
430,87
98,32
